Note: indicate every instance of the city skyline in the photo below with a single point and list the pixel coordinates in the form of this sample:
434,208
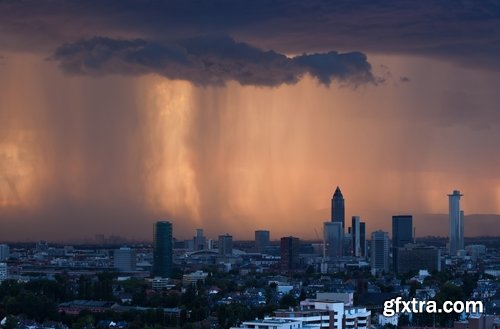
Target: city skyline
245,115
445,229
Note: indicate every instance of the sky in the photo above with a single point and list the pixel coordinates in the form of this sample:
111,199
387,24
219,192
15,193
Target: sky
235,116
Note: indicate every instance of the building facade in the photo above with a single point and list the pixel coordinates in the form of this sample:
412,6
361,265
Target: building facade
414,257
402,234
262,240
358,232
456,217
379,252
199,240
338,208
271,323
289,249
124,259
362,238
162,249
225,245
333,239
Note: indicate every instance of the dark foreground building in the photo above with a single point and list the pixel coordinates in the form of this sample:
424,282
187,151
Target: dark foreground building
289,253
162,249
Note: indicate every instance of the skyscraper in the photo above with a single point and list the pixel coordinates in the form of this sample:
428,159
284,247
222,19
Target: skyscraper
162,249
262,238
355,231
289,248
338,208
402,233
199,240
456,241
362,238
334,239
358,232
379,252
225,245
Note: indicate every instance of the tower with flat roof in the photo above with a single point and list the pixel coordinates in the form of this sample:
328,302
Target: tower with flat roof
402,234
162,249
456,217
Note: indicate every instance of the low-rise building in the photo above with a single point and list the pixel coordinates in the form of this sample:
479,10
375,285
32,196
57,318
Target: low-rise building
192,279
271,324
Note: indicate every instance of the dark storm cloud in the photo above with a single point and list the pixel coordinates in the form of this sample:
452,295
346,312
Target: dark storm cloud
466,32
209,60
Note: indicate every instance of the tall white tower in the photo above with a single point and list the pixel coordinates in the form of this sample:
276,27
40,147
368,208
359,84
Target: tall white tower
456,241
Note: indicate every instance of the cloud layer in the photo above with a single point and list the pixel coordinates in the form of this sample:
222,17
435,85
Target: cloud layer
209,60
464,32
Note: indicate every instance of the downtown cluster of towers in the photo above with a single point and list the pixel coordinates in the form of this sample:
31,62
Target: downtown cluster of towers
336,242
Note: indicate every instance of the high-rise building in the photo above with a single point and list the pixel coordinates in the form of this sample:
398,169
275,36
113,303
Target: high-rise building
124,259
4,252
456,240
362,238
347,246
356,246
225,245
414,257
162,249
199,240
402,234
358,237
334,239
262,238
289,248
338,207
379,252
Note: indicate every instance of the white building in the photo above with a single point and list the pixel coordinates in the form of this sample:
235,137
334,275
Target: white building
356,318
310,319
335,310
271,324
159,283
315,314
343,317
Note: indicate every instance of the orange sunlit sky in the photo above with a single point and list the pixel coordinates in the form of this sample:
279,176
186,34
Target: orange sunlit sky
241,116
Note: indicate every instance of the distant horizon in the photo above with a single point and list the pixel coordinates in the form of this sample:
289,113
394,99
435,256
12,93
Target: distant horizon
93,243
89,239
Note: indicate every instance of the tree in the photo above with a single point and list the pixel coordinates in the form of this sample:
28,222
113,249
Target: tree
288,301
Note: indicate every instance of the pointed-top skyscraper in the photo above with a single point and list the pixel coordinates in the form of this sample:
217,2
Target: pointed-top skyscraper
338,210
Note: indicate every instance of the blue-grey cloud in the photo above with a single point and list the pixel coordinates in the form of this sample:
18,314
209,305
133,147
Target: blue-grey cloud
464,32
209,60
